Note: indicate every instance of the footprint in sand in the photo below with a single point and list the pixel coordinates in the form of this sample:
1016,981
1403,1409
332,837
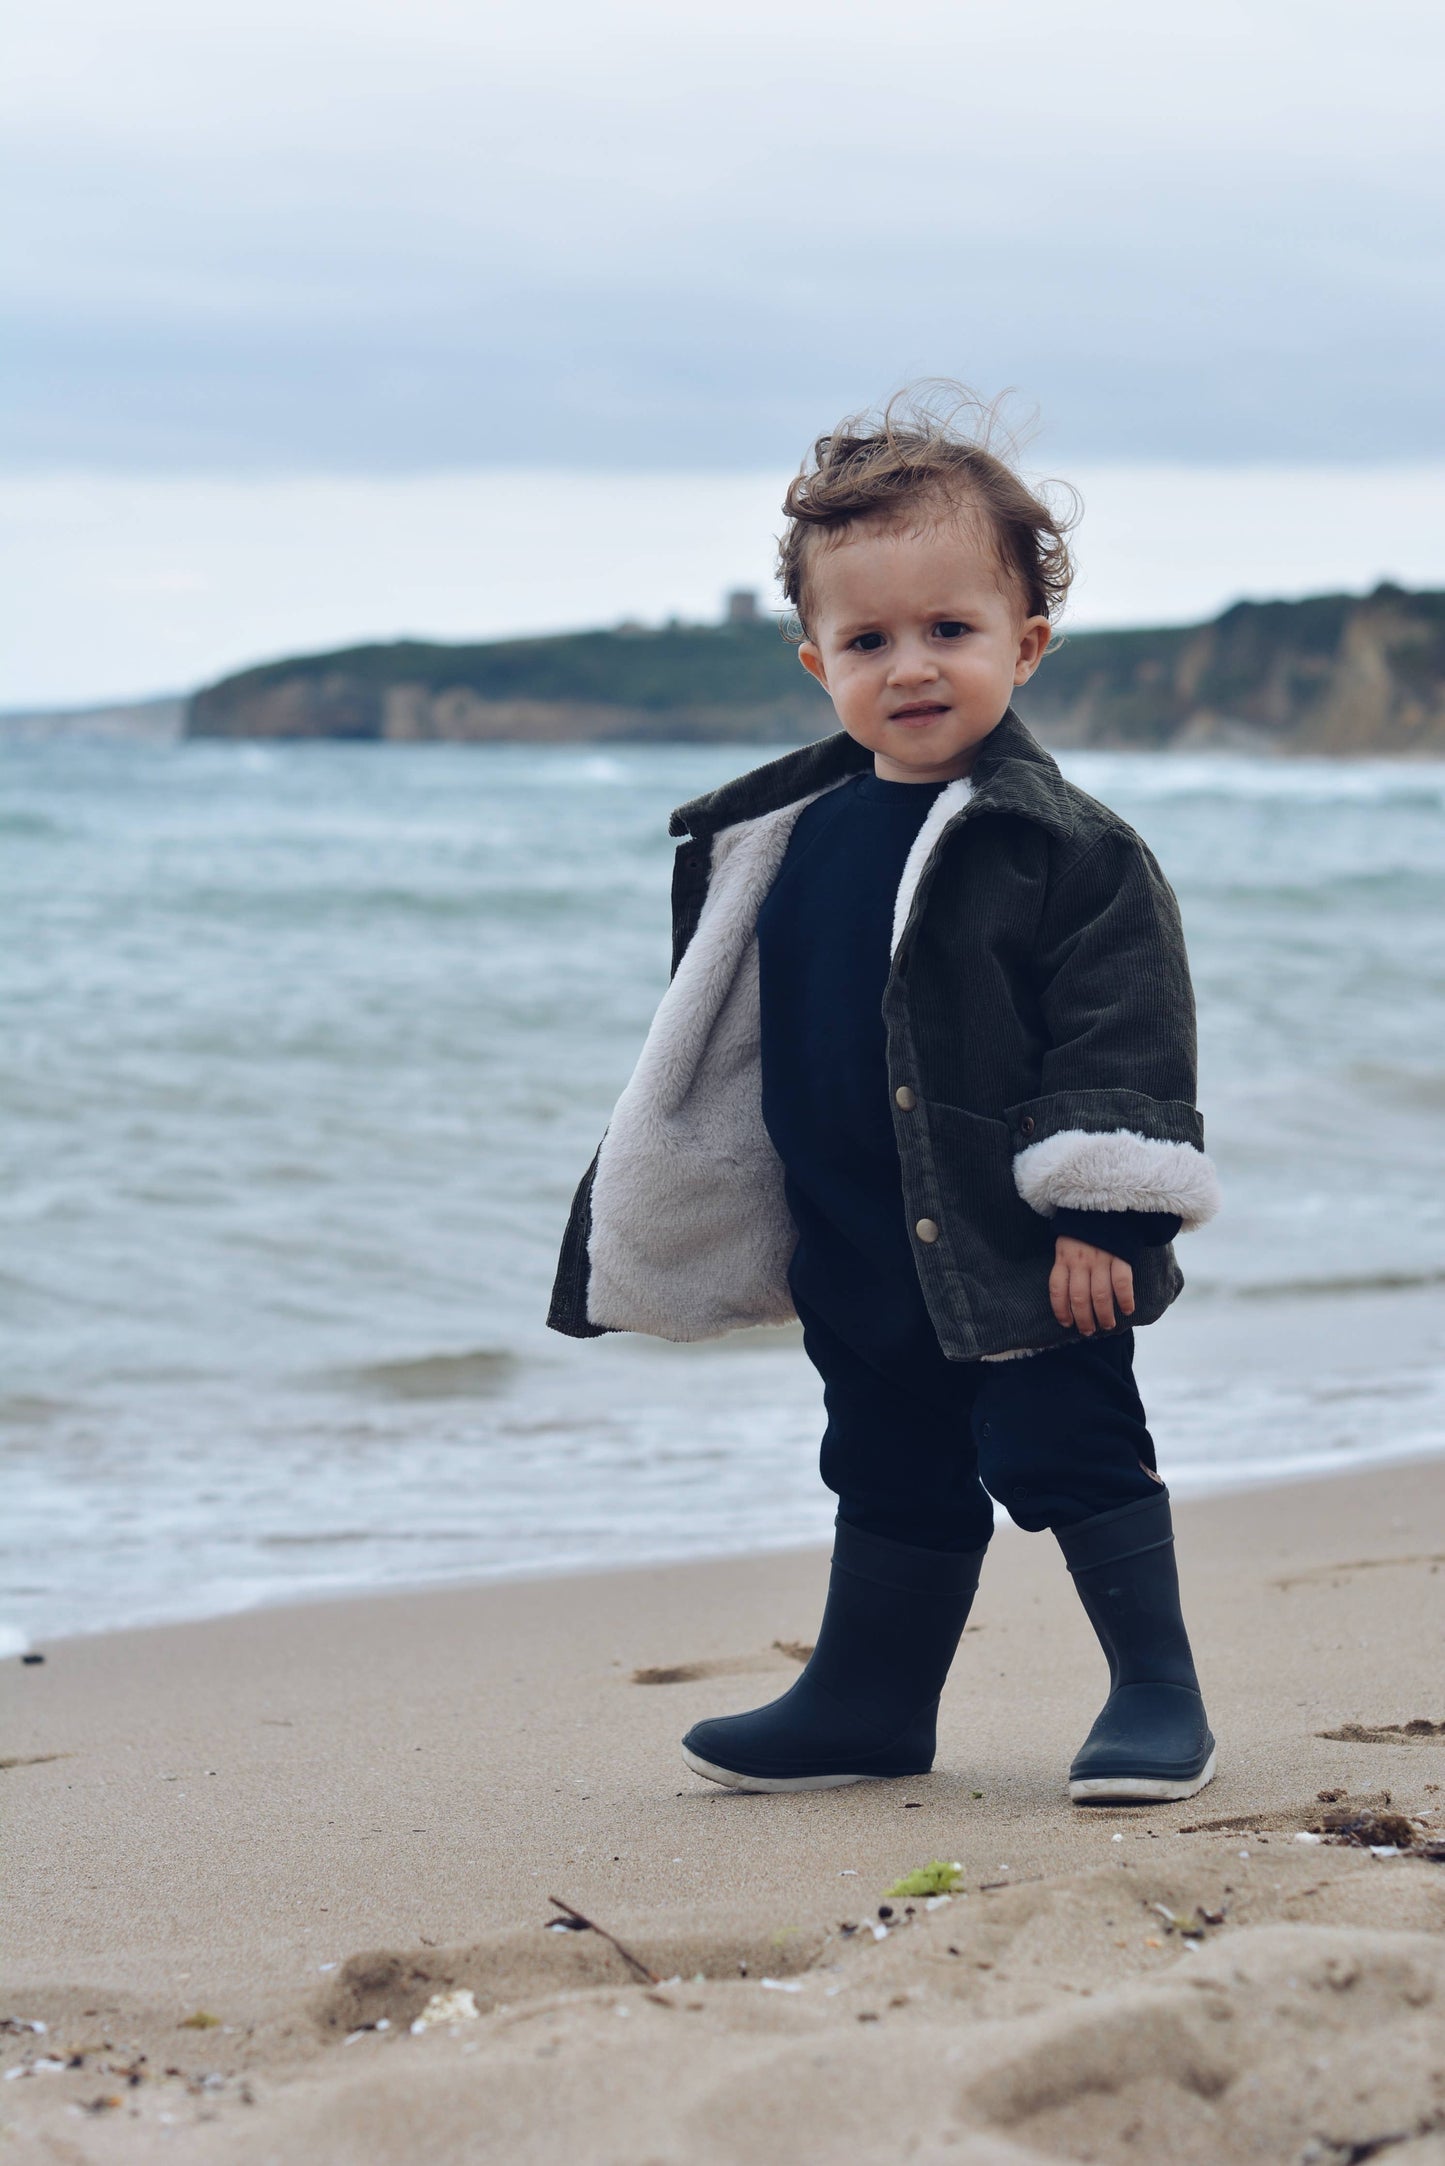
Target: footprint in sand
1329,1574
390,1989
1288,1819
1419,1731
687,1673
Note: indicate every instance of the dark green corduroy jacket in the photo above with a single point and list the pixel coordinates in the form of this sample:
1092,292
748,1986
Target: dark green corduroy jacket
1041,1056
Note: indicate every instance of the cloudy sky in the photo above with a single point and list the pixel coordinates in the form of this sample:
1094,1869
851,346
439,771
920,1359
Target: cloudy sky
332,321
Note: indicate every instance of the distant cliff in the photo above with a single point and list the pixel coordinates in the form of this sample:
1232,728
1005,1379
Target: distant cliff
689,681
1334,674
1331,674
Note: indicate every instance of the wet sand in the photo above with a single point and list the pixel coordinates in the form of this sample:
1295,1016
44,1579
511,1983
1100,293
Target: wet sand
243,1857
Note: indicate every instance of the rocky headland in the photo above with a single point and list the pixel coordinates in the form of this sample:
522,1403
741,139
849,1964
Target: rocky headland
1335,673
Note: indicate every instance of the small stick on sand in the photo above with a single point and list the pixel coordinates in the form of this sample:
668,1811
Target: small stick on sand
590,1925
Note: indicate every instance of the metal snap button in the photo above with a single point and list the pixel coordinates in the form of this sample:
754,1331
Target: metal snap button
1027,1125
926,1230
905,1098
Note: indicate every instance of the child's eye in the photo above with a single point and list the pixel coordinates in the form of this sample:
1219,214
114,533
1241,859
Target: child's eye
868,642
950,628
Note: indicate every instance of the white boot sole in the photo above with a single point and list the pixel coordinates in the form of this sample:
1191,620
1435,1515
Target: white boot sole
1137,1789
731,1780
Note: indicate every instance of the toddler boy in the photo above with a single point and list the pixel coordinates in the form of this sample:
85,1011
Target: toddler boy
924,1077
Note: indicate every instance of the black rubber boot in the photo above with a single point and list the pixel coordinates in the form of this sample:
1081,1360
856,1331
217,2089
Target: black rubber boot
866,1705
1152,1739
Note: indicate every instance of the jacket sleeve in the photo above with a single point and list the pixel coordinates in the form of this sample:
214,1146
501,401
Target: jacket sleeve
1114,1126
1123,1233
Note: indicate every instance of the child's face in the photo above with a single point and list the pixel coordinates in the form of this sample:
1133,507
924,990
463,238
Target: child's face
919,640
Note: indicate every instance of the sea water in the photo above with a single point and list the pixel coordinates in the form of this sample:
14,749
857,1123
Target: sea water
304,1049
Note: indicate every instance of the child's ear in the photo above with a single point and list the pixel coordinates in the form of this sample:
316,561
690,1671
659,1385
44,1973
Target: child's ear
812,661
1033,639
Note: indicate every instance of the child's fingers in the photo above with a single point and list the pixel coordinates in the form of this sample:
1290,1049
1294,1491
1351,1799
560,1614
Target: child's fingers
1101,1292
1090,1289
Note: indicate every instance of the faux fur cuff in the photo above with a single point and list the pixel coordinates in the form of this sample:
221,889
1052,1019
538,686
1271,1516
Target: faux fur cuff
1120,1171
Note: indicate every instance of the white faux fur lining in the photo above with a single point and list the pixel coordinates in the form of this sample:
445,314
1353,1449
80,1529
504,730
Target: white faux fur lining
1076,1170
940,812
691,1234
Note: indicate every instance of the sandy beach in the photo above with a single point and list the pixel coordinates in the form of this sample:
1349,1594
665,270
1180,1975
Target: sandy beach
245,1857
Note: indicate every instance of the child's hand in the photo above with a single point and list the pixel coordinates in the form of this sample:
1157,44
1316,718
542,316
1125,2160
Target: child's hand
1086,1283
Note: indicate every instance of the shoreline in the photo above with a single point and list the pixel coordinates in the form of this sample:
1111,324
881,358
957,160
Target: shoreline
309,1818
1305,1475
1216,1375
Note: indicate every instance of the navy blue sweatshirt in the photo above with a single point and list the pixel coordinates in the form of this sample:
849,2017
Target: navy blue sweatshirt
824,946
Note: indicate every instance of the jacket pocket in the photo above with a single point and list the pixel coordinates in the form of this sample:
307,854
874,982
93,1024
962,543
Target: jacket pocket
979,1203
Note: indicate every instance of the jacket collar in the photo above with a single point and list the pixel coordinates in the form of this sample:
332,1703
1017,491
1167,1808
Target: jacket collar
766,789
1012,773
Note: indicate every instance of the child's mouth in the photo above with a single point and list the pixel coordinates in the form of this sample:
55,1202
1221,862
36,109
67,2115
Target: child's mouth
920,713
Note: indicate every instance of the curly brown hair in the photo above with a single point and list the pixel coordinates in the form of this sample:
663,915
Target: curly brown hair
931,450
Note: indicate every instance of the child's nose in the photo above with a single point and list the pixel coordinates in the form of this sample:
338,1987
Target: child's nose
913,666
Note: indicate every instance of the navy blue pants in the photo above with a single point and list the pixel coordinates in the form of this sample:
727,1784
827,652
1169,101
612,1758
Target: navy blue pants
917,1451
